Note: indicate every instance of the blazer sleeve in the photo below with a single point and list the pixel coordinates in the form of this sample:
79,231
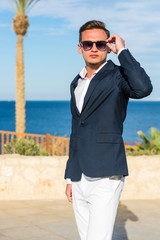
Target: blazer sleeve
134,81
69,163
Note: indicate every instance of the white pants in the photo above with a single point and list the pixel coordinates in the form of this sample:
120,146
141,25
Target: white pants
95,206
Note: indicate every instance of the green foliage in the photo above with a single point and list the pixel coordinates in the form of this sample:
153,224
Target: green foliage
44,153
22,5
24,147
32,149
8,148
149,146
20,146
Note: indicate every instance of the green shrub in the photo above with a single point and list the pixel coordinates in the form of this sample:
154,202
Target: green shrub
24,147
43,153
149,146
20,146
32,149
8,148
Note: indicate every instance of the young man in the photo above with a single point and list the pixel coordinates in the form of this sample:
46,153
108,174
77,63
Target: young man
97,167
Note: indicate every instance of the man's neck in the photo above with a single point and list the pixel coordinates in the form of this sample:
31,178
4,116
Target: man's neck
91,68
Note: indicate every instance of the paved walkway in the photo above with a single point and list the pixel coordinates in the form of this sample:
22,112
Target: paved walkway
54,220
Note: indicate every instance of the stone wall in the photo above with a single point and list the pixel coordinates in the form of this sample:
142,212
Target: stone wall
23,177
40,177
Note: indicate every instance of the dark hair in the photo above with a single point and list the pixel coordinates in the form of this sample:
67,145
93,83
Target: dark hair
92,25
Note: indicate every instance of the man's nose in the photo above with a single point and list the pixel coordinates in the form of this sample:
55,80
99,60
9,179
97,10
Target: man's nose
94,48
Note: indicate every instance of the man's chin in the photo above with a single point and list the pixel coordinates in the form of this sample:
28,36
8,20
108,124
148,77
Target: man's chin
95,64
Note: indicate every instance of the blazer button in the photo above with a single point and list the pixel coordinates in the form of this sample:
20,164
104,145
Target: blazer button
82,122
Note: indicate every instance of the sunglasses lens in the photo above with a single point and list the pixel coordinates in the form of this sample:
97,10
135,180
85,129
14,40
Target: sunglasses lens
87,45
101,45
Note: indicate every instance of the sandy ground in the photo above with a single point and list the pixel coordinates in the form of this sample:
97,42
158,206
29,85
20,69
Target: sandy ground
54,220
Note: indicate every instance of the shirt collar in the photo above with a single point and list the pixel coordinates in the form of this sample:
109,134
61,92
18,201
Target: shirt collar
83,72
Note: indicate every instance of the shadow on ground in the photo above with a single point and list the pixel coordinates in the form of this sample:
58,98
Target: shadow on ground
123,215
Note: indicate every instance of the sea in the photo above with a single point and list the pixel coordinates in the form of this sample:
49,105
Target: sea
54,117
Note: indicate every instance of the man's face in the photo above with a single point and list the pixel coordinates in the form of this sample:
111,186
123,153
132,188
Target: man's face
94,57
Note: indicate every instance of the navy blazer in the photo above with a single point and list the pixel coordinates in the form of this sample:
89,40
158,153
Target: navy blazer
96,144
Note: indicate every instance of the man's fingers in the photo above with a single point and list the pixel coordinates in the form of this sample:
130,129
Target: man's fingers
115,43
69,196
69,192
70,199
111,47
112,39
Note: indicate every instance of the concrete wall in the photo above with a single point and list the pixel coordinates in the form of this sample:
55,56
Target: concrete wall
24,177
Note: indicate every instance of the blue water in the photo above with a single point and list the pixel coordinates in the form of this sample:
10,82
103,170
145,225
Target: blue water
54,117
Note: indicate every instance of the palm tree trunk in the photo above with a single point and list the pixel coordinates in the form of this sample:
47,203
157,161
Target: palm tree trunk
20,95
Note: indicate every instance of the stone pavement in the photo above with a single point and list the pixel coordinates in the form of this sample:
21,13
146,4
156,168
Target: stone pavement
54,220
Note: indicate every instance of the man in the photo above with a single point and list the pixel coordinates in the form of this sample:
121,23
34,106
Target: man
97,167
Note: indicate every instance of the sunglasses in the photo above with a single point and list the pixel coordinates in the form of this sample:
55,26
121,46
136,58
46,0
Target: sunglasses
100,45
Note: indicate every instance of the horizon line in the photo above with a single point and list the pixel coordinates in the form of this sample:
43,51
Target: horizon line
47,100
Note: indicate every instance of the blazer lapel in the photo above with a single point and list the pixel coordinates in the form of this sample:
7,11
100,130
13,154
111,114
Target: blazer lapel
95,80
73,99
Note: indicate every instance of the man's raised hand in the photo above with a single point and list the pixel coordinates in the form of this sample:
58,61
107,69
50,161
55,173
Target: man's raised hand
115,43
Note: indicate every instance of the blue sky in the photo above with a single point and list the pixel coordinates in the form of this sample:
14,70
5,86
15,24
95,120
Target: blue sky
50,47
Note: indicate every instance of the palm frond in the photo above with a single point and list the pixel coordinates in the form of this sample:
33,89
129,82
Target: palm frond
154,133
17,4
14,5
144,138
23,5
31,2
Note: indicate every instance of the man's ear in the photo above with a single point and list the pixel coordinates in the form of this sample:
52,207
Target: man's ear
79,48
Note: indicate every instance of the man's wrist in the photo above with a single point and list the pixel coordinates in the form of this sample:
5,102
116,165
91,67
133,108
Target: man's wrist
68,181
121,51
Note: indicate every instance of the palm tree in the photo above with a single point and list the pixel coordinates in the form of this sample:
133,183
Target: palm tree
20,26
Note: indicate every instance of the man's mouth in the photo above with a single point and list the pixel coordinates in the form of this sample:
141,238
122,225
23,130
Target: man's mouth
93,56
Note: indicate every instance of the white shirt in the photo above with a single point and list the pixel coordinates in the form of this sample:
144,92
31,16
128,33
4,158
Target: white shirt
80,92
